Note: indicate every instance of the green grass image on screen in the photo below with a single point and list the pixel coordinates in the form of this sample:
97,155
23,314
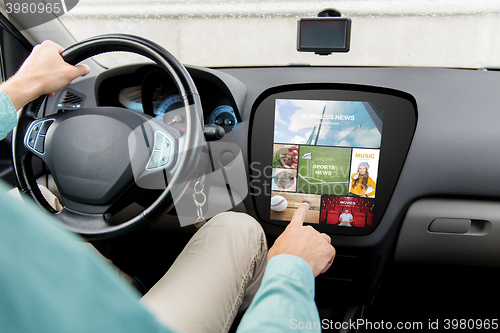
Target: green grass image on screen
323,170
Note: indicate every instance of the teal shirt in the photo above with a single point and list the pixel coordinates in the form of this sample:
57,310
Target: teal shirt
8,115
285,299
51,282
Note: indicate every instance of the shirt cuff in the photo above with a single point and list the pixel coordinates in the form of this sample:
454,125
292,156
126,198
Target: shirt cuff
293,267
8,115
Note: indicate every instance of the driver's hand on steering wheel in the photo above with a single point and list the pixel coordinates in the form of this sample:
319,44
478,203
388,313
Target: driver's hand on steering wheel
305,242
43,72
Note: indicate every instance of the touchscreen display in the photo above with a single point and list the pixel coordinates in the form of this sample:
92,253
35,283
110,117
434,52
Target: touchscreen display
326,153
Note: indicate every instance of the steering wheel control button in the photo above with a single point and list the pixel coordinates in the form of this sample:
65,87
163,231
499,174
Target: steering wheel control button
35,139
161,152
31,142
154,160
164,158
158,142
40,142
45,127
163,161
32,138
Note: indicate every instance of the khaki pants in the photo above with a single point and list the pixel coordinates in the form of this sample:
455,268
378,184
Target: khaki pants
218,272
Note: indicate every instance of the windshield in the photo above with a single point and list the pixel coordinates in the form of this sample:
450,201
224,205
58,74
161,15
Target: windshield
453,33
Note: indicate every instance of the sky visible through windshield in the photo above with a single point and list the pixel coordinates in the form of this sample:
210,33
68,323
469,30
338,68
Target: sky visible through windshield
449,33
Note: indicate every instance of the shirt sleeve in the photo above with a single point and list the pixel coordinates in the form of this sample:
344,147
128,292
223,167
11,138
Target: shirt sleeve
8,115
285,299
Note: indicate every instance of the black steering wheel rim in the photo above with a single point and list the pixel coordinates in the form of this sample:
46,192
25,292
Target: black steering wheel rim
90,226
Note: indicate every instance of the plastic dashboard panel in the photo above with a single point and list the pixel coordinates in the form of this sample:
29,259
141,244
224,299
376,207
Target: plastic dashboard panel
468,232
399,121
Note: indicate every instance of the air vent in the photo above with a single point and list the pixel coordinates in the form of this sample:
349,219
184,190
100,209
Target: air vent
70,100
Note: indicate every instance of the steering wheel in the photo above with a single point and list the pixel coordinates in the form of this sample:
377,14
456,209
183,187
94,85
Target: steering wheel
99,155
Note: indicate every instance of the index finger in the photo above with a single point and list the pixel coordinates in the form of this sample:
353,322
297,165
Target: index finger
300,215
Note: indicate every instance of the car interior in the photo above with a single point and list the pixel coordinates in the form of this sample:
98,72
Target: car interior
397,162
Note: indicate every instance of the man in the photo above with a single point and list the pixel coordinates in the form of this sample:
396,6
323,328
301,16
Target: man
345,219
51,282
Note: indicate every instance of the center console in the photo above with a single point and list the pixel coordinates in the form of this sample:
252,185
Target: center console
338,147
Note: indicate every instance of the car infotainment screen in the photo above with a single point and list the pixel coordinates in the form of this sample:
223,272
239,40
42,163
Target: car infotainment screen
338,147
326,153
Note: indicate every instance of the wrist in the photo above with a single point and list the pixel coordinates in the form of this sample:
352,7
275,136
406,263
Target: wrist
20,91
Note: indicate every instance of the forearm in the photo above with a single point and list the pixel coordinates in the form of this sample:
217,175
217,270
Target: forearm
285,298
20,91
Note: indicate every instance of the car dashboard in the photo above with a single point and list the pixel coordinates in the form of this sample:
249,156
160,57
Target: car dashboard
437,188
